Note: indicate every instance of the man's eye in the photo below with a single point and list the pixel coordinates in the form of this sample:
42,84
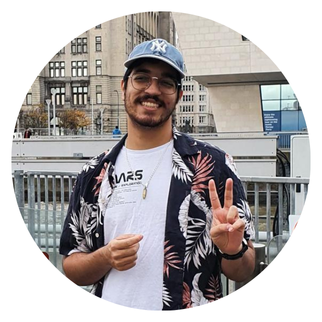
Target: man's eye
167,83
141,79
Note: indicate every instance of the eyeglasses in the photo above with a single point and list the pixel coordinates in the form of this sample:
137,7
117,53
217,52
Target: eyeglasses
142,81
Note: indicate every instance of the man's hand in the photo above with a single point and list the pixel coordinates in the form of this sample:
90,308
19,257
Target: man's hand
121,252
227,229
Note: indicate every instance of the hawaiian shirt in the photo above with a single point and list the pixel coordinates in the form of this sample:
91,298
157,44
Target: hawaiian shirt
192,263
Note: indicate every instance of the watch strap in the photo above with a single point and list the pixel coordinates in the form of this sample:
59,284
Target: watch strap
238,255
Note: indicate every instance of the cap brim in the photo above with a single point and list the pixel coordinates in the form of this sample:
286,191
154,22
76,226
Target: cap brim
128,62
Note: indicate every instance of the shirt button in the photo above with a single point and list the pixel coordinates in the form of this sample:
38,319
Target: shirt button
97,235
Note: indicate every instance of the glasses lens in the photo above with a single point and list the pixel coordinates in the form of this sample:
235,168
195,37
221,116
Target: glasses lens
141,81
167,85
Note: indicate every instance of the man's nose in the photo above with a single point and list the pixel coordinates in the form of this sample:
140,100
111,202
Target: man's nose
154,86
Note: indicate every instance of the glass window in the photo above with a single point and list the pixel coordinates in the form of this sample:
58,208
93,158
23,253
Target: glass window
98,98
281,109
28,99
287,92
271,92
271,105
289,105
98,67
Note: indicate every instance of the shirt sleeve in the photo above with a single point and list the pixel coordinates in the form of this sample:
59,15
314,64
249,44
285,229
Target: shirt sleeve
68,240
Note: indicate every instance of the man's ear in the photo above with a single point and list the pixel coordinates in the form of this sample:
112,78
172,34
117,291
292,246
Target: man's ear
179,96
123,90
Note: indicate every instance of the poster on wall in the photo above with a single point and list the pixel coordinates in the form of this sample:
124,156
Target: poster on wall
272,121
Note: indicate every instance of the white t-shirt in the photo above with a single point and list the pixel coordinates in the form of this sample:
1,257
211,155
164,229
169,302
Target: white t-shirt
128,213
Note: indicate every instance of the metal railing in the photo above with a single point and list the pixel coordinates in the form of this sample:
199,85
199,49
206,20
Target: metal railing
43,199
284,138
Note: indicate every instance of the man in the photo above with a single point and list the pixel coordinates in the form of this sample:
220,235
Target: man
116,132
155,221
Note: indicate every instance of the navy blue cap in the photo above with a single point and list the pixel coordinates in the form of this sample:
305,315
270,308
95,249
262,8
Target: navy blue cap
158,49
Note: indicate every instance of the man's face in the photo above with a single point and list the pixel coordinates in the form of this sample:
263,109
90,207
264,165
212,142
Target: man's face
150,108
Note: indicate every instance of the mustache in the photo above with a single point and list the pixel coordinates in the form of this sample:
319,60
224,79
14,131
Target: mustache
150,97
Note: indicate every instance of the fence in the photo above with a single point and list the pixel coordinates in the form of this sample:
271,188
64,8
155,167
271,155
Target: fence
43,197
284,138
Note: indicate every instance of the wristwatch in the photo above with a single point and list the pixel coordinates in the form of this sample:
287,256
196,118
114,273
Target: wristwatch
238,255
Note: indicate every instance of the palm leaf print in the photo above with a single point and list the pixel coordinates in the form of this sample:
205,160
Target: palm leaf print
84,224
179,169
197,297
170,259
199,243
213,292
99,180
166,297
186,296
203,166
245,214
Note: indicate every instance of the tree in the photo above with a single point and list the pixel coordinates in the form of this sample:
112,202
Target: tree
36,117
73,119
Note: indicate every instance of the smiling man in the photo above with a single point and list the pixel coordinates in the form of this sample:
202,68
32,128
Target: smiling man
155,221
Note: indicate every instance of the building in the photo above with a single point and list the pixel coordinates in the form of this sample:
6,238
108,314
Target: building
247,92
194,113
86,73
231,85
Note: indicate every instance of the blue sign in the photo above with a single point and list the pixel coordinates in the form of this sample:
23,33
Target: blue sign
272,121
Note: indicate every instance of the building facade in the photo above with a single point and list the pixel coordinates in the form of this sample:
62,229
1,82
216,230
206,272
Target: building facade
246,90
86,73
231,85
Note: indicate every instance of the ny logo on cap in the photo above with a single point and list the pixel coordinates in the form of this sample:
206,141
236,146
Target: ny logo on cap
159,46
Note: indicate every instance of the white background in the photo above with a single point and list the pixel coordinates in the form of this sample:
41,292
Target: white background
32,32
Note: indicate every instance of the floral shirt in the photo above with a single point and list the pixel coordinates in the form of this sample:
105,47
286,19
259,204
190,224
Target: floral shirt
192,263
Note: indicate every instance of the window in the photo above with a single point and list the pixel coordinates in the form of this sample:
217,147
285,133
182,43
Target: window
186,108
29,99
187,98
98,94
202,119
281,109
57,69
79,68
188,88
60,94
202,98
79,46
202,108
79,94
98,67
98,43
183,120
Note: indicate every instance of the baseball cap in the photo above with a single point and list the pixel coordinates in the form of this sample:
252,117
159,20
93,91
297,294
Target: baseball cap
158,49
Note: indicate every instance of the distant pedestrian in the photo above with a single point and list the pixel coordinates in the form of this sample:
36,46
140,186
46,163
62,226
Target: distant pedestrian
116,132
27,134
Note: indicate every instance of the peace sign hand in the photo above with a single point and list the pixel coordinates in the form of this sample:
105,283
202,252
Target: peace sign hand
227,229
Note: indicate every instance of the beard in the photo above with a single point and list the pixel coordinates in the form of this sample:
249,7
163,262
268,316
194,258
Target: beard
148,120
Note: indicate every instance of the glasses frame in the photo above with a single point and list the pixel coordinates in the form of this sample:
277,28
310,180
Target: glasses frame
158,81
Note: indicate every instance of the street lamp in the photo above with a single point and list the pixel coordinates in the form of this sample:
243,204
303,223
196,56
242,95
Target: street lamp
118,108
102,123
48,101
53,92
